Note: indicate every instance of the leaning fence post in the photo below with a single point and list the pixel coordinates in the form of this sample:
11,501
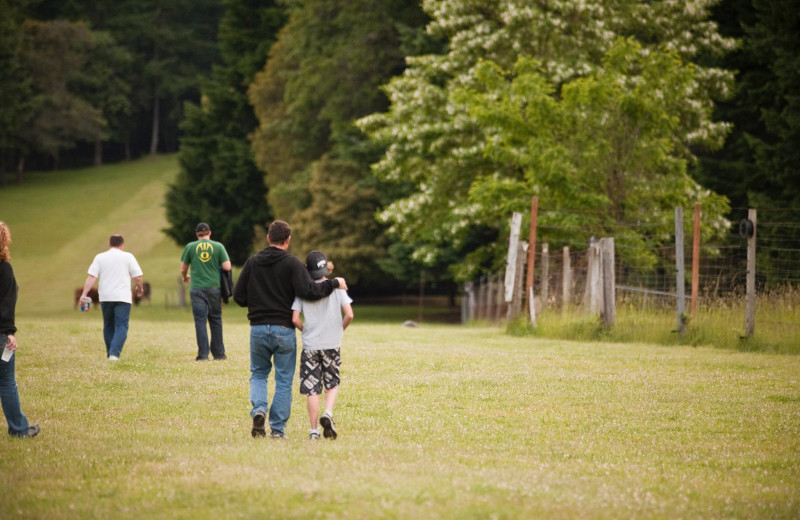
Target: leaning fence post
511,260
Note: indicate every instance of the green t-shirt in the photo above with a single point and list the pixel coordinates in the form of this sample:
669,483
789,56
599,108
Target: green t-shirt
204,258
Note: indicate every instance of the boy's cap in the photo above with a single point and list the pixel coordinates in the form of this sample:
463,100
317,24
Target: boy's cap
202,227
317,264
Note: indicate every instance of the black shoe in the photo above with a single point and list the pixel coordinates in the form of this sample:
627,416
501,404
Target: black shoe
275,434
258,425
33,431
198,358
220,358
328,429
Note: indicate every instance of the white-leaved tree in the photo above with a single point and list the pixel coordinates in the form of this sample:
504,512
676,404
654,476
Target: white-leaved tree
593,106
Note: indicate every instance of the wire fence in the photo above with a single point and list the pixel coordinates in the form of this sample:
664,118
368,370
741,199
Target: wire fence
561,267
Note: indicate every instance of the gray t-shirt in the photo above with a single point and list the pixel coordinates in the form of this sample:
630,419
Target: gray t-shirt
322,320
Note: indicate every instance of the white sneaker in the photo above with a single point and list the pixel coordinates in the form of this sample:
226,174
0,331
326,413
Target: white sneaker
328,428
113,358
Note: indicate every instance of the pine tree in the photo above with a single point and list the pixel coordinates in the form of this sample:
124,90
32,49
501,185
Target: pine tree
218,182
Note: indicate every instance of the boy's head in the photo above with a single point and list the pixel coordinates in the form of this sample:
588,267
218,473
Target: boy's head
317,264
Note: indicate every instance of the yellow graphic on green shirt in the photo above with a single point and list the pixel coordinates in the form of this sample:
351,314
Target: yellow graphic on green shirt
204,250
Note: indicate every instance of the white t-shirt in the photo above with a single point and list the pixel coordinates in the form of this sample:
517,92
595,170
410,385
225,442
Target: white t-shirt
322,320
114,270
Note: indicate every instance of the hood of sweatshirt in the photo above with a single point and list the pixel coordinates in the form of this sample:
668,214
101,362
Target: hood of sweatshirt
270,256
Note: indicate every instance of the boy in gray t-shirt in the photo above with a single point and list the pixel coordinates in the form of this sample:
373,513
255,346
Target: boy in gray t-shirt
323,328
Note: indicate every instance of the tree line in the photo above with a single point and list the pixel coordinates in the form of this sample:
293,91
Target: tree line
399,135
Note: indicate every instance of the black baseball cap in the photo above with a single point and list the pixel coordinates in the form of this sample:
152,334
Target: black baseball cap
201,228
317,264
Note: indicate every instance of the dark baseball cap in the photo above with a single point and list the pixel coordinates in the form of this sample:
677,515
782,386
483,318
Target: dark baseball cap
317,264
201,228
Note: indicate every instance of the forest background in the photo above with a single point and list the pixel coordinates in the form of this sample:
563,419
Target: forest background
399,136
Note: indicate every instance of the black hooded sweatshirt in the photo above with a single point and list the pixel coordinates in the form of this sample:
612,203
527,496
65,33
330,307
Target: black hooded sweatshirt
269,282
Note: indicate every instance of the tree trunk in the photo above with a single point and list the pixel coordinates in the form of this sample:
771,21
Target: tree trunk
20,168
98,152
156,116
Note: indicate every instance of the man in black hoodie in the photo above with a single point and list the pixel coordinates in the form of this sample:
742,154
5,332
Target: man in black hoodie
267,286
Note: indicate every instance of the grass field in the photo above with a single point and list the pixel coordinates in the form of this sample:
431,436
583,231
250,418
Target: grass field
435,422
440,421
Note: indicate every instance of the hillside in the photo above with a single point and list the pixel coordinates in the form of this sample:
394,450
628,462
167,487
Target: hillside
59,220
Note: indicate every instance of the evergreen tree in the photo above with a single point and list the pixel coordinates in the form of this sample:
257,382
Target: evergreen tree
14,83
323,73
219,182
52,55
758,167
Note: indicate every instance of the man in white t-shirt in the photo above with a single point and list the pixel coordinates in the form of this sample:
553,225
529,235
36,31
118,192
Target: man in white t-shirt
115,268
323,328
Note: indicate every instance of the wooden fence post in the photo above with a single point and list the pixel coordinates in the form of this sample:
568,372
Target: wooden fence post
515,309
750,306
566,280
609,305
680,284
545,284
511,258
181,293
696,260
593,278
532,248
499,298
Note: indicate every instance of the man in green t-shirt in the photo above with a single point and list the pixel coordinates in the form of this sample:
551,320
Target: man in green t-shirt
206,257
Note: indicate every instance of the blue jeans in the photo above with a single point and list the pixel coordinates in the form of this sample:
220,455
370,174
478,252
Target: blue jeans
207,306
272,344
9,396
115,326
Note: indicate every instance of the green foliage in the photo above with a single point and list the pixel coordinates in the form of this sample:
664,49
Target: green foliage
219,182
14,83
323,73
758,166
52,54
472,159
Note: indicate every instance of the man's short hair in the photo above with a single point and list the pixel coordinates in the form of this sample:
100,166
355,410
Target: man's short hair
202,229
279,232
116,240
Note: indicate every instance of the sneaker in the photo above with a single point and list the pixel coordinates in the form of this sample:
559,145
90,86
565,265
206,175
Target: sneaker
198,358
221,358
328,429
258,425
313,436
33,431
275,434
113,358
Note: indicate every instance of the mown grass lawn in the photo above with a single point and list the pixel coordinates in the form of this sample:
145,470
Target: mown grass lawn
435,422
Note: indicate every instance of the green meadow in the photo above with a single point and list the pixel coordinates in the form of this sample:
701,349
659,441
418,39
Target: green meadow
440,421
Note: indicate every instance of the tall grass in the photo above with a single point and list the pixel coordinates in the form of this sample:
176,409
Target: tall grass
719,323
434,422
